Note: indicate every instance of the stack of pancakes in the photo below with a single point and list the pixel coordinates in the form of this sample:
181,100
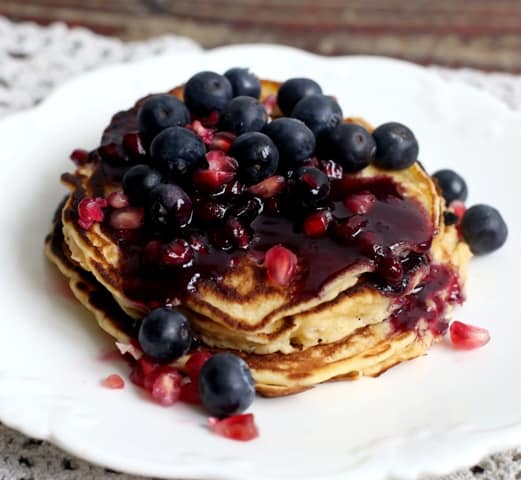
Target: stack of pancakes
348,328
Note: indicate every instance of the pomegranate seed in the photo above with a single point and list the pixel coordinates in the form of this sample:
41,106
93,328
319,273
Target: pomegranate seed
133,145
468,337
211,120
190,394
128,218
238,233
391,269
316,224
459,208
349,229
331,169
269,187
141,369
211,180
111,152
222,141
195,363
90,211
270,102
234,188
205,134
166,388
281,264
117,200
151,375
177,252
237,427
210,211
197,243
220,162
80,157
114,382
360,203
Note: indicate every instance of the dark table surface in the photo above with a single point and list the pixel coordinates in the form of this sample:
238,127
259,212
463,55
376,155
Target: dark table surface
476,33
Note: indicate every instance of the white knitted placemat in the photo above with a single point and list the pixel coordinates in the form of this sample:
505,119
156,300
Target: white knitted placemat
33,61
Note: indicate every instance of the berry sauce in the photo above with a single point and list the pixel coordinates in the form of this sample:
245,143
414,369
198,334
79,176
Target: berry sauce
389,236
428,302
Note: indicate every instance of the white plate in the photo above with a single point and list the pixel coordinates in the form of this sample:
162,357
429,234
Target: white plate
432,415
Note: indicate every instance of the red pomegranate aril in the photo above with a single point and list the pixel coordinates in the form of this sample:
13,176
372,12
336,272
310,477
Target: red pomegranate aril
331,169
360,203
80,156
220,162
269,187
197,243
391,269
316,224
348,230
166,387
133,145
468,337
281,264
211,120
205,134
210,211
141,369
177,252
190,393
90,211
117,200
111,152
114,382
195,363
459,208
127,218
238,233
270,102
222,141
210,180
237,427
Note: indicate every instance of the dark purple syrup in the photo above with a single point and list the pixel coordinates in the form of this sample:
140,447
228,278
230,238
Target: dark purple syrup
396,228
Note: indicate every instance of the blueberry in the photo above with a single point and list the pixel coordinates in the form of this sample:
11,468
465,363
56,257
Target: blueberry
452,185
293,90
350,145
311,187
177,150
243,82
293,139
160,112
484,229
319,112
164,334
243,114
257,155
138,182
207,92
225,384
396,146
169,207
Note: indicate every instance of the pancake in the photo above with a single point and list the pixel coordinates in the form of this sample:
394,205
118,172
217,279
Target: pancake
340,323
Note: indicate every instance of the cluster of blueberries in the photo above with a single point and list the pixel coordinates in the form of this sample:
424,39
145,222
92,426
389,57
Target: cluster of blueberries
312,125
